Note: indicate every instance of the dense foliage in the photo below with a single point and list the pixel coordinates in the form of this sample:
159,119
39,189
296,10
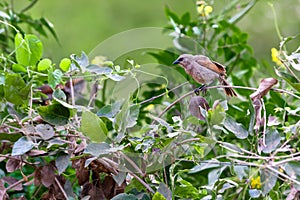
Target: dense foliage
80,129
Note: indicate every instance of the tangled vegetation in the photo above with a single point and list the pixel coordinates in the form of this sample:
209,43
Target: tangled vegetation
65,135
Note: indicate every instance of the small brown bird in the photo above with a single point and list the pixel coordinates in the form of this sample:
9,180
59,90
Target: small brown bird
204,71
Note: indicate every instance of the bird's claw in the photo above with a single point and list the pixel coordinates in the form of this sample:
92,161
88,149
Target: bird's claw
202,88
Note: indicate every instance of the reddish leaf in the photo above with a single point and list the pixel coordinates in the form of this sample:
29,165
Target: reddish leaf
35,152
10,180
264,87
82,173
48,175
3,194
13,164
37,176
108,186
195,104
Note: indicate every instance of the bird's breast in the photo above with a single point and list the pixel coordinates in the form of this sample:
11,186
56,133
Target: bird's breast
201,74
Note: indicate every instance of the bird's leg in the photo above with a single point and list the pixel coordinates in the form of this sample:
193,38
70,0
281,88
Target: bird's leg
202,88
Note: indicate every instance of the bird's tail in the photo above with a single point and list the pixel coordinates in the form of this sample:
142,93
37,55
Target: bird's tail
229,91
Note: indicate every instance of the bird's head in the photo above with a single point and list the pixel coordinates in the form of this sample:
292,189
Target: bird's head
184,60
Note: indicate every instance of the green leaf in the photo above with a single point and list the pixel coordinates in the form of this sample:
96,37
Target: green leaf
109,111
10,137
100,149
124,196
172,15
19,68
126,118
93,127
292,168
214,175
268,180
99,70
120,177
242,13
236,128
49,26
208,164
216,116
54,77
185,19
62,162
45,131
80,62
65,64
44,64
272,139
15,89
158,196
55,114
164,191
28,49
115,77
60,97
289,79
241,171
58,94
21,146
254,193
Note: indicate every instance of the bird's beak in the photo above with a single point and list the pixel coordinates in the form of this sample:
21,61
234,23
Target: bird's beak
176,62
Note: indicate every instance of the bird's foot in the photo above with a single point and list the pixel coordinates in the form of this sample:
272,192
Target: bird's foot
202,88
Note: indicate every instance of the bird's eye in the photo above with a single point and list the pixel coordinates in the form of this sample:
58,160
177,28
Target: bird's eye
180,59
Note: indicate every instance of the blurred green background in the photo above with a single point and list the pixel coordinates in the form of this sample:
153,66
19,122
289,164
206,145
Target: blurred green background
81,25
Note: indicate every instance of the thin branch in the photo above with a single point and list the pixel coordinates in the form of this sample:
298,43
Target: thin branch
133,164
73,99
286,160
290,70
265,121
61,188
18,182
282,174
172,104
218,86
142,182
162,94
18,159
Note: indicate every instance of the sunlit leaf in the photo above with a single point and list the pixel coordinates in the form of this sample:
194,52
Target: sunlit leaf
93,127
28,49
44,64
65,64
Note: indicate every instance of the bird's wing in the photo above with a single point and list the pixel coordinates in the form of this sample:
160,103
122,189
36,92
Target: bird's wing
220,67
213,66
